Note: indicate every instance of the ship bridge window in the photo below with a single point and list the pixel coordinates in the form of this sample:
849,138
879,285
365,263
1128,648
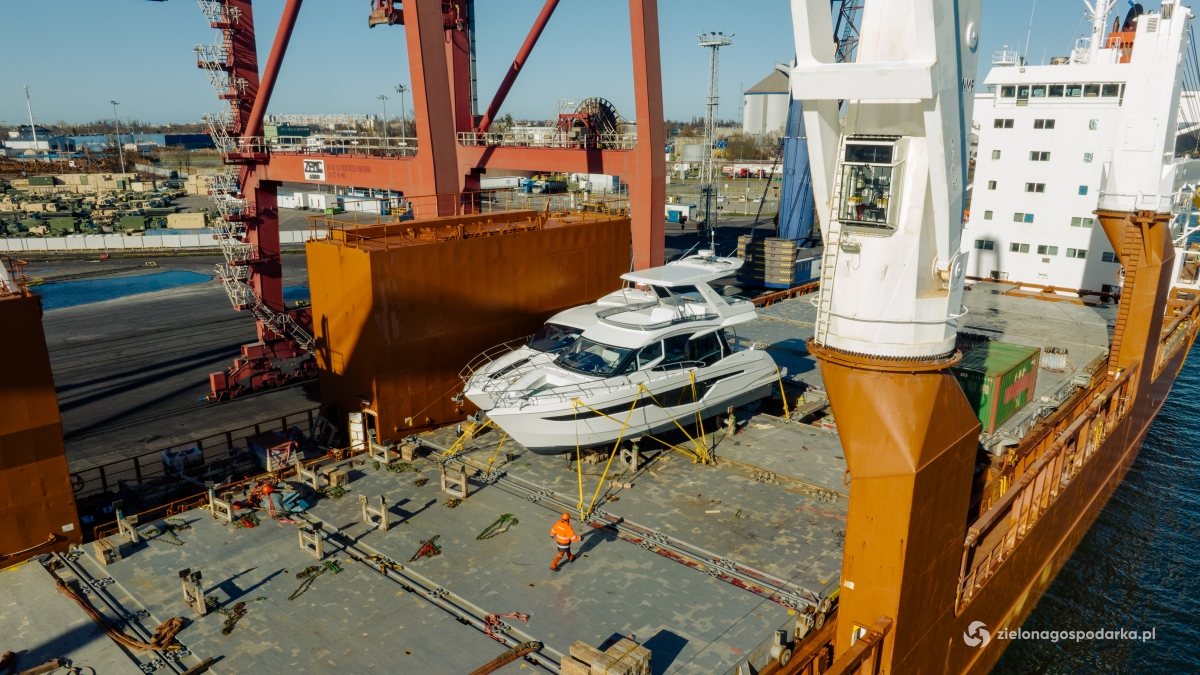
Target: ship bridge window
1074,90
985,244
1056,90
870,154
1037,91
1008,91
1023,94
1080,253
868,182
1108,256
1047,250
1018,248
1082,222
1003,124
594,358
1091,90
1110,90
1043,124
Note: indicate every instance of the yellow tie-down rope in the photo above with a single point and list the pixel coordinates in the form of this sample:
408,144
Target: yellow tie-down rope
469,432
787,415
699,455
583,514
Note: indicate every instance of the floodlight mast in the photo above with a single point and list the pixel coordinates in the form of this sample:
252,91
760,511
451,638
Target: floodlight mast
713,40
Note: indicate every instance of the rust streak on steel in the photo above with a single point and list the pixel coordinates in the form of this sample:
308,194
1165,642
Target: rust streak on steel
515,69
507,657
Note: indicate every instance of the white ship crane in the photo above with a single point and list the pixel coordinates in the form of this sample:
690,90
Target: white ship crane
889,176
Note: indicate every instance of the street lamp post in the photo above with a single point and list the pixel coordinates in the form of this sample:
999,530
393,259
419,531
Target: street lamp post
401,89
384,98
120,150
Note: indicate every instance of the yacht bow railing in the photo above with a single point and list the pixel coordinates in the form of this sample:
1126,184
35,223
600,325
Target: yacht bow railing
490,355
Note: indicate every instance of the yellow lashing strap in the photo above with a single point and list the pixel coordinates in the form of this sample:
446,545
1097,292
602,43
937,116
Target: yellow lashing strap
701,453
611,455
578,454
787,415
453,450
497,453
701,456
699,415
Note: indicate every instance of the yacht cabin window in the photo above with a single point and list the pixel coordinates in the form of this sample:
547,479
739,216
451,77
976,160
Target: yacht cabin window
553,337
706,349
594,358
649,354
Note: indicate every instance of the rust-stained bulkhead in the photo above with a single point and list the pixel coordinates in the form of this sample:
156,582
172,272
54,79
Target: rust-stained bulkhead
399,309
37,502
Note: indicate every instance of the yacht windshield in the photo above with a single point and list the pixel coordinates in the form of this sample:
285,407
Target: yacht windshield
593,358
554,337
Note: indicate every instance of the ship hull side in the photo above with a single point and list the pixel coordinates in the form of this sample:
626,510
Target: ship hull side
1012,593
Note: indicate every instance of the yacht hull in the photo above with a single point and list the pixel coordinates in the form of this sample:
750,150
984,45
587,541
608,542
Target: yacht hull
560,426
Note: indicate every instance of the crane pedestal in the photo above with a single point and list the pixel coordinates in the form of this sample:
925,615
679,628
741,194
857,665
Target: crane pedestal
910,439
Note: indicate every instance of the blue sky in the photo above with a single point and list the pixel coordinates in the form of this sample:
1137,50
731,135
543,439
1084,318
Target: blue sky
77,55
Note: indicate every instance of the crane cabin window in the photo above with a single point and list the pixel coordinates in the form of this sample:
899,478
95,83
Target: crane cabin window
869,172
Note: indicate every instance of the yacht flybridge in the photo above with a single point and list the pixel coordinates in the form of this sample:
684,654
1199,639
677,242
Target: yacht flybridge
657,354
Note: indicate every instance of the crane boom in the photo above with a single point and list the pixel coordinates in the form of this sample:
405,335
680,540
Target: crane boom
889,178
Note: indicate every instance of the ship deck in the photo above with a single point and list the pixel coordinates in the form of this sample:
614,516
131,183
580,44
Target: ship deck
700,563
1081,329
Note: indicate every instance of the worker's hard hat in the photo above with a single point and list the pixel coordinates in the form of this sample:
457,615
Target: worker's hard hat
566,516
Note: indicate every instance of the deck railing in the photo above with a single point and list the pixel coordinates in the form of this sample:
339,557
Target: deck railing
144,480
865,656
997,532
1177,333
461,215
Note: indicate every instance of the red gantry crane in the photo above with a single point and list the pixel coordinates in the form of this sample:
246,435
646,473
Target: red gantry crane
454,148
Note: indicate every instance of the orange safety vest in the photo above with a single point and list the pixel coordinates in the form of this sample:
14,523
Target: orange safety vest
563,533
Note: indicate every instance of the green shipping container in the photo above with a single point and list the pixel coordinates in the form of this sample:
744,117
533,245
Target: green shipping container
998,379
41,181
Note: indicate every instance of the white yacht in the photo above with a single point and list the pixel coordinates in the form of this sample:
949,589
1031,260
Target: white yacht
665,348
486,372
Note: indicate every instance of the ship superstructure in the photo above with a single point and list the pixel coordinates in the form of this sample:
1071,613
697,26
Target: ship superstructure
1093,129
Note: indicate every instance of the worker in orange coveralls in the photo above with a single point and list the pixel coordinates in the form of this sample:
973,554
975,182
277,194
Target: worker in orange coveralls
563,536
